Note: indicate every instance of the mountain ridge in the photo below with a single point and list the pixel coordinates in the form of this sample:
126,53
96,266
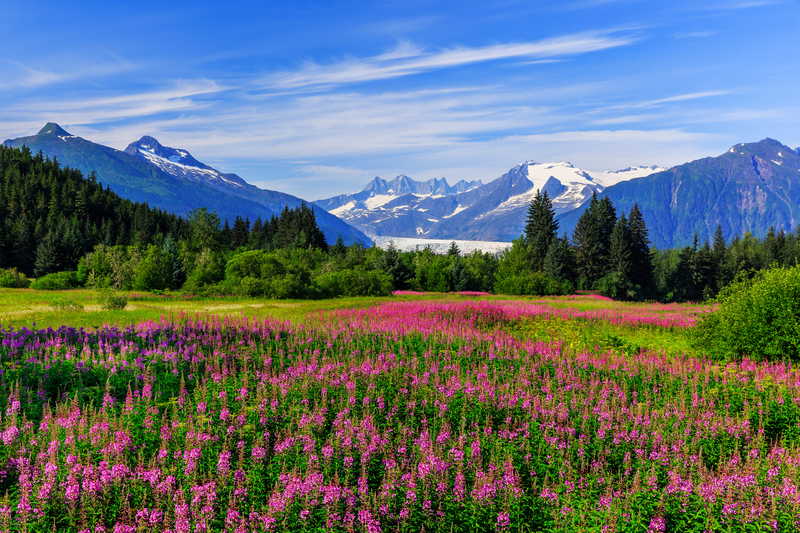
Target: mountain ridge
494,211
749,188
172,185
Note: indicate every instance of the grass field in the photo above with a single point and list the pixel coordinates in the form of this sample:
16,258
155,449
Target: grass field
438,413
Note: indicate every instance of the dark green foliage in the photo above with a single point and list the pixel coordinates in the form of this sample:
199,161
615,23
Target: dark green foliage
297,228
50,216
459,275
339,249
588,251
392,263
515,277
355,282
617,283
641,272
541,229
559,263
757,316
57,281
47,255
454,250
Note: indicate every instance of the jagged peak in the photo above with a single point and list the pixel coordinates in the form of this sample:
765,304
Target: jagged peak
51,128
148,143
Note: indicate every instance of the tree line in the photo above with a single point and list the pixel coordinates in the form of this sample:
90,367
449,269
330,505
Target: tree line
67,230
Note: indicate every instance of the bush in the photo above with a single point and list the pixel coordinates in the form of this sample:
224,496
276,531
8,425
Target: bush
57,281
112,300
11,279
356,282
757,317
66,305
532,283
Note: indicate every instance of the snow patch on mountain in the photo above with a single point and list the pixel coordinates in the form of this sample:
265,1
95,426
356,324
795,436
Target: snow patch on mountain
405,207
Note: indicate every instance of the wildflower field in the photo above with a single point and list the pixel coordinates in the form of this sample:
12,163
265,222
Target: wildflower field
409,414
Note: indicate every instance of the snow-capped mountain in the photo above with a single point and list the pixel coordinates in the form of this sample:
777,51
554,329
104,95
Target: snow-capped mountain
379,192
172,180
470,210
180,163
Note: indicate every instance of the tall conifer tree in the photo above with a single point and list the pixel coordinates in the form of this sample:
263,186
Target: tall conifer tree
541,229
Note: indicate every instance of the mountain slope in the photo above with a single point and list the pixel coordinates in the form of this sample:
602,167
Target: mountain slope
172,179
494,211
748,188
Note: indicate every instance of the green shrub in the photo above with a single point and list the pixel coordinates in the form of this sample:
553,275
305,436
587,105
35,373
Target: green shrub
355,282
532,283
66,305
11,279
57,281
112,300
757,317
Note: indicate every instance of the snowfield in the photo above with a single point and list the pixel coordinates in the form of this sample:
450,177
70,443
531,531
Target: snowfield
440,246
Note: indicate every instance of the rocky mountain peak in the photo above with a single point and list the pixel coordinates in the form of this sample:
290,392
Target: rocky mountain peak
51,128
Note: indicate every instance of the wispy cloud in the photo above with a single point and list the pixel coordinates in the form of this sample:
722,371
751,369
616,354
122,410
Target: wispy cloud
695,34
408,59
26,77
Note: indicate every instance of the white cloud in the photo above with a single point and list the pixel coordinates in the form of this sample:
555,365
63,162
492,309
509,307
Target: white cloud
408,59
27,77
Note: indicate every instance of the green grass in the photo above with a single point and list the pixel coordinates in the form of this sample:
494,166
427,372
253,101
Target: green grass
26,307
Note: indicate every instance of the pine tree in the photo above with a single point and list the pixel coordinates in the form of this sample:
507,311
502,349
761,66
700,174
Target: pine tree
721,277
392,263
255,239
459,275
619,284
175,274
585,239
47,255
770,247
641,274
605,215
453,250
541,229
239,233
559,263
338,250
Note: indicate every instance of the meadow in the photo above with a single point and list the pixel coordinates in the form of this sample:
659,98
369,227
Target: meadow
451,413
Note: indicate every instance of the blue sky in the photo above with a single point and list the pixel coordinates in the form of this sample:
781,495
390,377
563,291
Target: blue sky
316,98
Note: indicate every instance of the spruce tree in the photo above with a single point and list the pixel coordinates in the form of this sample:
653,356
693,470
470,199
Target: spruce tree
641,274
585,239
605,215
338,250
175,274
720,264
47,255
541,229
255,239
620,285
459,275
392,263
559,263
453,250
239,233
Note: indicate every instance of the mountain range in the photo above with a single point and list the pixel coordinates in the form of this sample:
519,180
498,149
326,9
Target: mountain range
173,180
749,188
495,211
